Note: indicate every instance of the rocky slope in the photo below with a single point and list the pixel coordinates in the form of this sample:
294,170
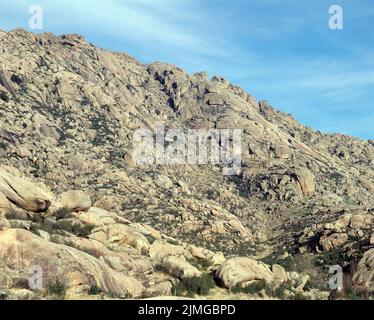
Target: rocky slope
68,111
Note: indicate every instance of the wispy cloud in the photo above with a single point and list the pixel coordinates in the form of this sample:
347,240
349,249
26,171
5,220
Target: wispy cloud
279,50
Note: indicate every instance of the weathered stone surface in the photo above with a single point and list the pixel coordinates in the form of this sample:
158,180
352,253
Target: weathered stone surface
75,200
236,271
4,202
68,113
121,234
306,180
179,267
161,249
22,192
280,275
363,278
20,249
335,240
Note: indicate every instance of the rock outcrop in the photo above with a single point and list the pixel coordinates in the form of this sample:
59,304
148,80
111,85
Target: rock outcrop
68,113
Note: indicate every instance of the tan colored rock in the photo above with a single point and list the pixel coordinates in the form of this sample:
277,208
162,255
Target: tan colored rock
4,223
306,180
4,202
23,193
145,230
363,277
345,219
75,200
280,275
97,217
238,270
196,252
179,267
358,222
367,183
23,152
163,182
121,234
161,249
335,240
20,249
217,259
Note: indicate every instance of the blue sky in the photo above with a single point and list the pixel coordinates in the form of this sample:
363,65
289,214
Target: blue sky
279,50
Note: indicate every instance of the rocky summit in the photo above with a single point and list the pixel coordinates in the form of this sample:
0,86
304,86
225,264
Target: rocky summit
81,219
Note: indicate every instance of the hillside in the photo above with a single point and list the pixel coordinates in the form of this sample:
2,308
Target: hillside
68,112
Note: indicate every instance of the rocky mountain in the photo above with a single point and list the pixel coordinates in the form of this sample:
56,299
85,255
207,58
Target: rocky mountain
74,201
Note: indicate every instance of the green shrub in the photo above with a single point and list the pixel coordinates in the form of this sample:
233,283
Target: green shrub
332,258
3,145
205,263
57,288
35,228
195,285
65,225
63,213
298,296
313,284
280,292
11,214
173,242
114,295
83,231
253,288
94,290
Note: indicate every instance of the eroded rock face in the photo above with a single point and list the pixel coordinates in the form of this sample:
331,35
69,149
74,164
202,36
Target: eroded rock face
179,267
335,240
237,271
121,234
68,112
22,193
283,184
75,200
20,250
363,279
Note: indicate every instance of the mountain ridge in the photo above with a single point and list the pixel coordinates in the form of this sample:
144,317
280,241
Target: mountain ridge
68,114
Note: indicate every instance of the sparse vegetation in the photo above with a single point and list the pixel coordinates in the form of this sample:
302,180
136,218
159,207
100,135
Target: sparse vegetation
194,286
94,290
253,288
63,213
68,142
3,145
332,258
57,288
11,214
35,228
83,231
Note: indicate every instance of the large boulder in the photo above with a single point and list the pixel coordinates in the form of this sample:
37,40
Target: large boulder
4,202
306,180
22,193
75,200
121,234
97,217
237,271
332,241
363,279
161,249
21,249
179,267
